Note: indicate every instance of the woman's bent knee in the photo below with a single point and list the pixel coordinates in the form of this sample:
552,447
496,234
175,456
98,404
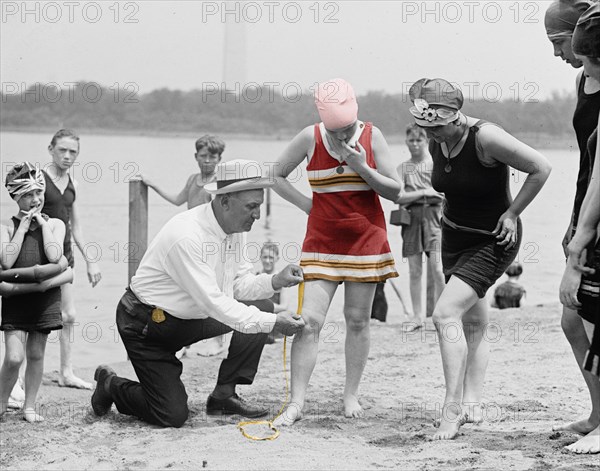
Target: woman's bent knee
312,323
444,315
357,325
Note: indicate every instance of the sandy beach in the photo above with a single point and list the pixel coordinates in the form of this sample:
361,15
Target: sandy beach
532,384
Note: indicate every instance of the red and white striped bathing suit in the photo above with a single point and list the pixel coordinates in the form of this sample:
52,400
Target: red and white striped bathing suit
346,237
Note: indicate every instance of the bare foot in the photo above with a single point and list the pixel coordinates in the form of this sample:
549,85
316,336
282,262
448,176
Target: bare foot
588,444
582,427
17,393
287,418
473,412
14,404
352,408
411,324
450,423
30,416
73,382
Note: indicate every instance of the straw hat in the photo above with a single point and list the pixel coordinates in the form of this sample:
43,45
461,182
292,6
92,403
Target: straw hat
238,175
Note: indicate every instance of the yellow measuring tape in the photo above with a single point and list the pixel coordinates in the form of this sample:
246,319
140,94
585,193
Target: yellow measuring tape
269,423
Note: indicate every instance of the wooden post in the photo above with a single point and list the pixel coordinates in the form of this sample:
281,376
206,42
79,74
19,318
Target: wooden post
138,224
268,209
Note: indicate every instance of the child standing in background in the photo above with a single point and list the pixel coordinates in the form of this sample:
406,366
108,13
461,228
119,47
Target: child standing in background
269,256
208,154
60,201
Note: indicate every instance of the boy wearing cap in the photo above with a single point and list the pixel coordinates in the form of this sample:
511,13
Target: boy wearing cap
186,290
209,150
481,233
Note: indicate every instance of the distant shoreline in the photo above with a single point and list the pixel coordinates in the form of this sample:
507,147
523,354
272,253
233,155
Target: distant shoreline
535,140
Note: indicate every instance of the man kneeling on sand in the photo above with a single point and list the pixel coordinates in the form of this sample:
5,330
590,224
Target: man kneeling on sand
186,289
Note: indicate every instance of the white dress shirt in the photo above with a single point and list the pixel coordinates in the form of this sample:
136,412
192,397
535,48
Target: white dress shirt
194,270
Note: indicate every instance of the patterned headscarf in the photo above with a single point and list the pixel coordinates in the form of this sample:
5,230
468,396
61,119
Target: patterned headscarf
23,178
436,102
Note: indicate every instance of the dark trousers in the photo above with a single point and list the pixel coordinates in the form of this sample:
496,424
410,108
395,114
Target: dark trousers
160,397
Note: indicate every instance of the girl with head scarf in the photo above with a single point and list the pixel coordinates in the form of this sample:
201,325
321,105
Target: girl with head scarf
31,240
481,233
349,167
560,20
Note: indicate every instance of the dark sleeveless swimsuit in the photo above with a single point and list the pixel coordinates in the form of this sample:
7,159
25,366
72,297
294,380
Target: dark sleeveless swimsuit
58,205
31,312
475,198
585,120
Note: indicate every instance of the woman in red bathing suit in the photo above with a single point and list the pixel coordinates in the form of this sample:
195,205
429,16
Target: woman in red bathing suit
349,167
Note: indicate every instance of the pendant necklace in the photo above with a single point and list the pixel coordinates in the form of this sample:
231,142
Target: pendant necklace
448,167
340,169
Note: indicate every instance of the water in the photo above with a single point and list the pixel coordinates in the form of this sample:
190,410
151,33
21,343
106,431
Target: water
106,162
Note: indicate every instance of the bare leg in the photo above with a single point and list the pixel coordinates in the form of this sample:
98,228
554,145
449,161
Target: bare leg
317,297
36,347
435,279
475,323
590,443
66,376
415,268
13,358
17,395
573,327
357,310
456,299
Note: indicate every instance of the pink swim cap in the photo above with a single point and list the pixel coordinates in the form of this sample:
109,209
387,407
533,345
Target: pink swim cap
336,104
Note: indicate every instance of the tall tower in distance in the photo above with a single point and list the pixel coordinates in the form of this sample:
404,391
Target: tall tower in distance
234,50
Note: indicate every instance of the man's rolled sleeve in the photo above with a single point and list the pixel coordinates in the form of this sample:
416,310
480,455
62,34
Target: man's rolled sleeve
248,286
187,267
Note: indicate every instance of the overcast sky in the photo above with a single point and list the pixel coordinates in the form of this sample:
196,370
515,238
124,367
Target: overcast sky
496,48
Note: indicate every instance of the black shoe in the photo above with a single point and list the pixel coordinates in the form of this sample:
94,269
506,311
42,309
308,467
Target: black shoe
233,405
101,400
